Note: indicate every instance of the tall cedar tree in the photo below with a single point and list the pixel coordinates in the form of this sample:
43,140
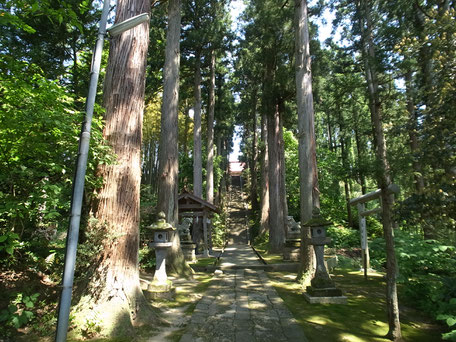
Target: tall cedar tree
383,174
168,151
309,194
114,292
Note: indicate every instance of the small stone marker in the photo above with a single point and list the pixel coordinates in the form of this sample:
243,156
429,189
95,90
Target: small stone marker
322,289
161,286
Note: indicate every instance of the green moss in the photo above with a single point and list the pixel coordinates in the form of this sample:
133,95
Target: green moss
205,262
363,319
271,258
175,336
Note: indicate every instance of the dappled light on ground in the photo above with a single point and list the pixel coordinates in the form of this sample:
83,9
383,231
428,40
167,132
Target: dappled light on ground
363,319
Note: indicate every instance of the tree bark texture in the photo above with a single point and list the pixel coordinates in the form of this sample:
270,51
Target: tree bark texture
344,154
282,174
114,291
210,133
309,194
383,176
168,185
197,152
276,210
254,154
264,198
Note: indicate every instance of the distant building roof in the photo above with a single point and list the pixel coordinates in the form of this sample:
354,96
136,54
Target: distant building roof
236,168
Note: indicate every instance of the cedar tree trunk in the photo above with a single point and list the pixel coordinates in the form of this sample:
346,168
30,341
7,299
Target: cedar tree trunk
113,294
383,177
309,194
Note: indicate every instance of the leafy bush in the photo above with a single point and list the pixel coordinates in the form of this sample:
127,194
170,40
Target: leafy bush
218,230
342,237
147,258
428,269
18,313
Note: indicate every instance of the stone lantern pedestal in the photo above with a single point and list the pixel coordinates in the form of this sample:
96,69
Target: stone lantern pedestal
187,245
291,250
161,286
322,289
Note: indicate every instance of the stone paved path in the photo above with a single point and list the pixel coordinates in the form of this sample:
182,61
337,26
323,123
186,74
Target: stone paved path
241,305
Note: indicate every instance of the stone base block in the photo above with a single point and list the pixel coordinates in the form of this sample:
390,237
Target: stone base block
188,249
291,253
324,292
325,300
155,291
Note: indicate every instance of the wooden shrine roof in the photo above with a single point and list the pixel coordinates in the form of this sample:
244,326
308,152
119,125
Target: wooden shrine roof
188,202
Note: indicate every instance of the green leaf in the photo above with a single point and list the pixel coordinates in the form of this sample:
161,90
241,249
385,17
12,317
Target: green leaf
451,336
3,238
9,250
453,301
451,321
12,308
16,321
28,315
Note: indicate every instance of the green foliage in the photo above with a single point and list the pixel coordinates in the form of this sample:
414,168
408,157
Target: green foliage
262,241
427,268
449,317
219,230
39,130
292,172
147,258
18,313
8,243
342,237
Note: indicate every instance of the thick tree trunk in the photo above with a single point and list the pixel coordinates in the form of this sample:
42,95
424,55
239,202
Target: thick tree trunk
346,182
383,176
344,154
282,173
168,185
210,134
197,153
264,166
217,195
362,178
309,194
254,156
113,294
186,128
276,210
414,148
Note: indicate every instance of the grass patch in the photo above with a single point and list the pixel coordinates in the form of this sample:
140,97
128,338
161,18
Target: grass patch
203,262
189,294
270,258
363,319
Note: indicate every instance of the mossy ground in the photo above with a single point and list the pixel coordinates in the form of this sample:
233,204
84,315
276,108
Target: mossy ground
270,258
202,262
363,319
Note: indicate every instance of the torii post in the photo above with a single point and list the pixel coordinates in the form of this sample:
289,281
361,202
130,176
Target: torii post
362,213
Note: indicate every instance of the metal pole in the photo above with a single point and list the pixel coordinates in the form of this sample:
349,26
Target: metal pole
78,185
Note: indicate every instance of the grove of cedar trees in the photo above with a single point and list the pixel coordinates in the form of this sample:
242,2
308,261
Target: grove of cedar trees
321,123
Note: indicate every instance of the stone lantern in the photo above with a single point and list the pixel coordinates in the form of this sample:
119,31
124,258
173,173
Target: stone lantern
322,289
160,286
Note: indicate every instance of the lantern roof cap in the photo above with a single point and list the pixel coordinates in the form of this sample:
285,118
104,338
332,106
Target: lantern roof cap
317,220
161,223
